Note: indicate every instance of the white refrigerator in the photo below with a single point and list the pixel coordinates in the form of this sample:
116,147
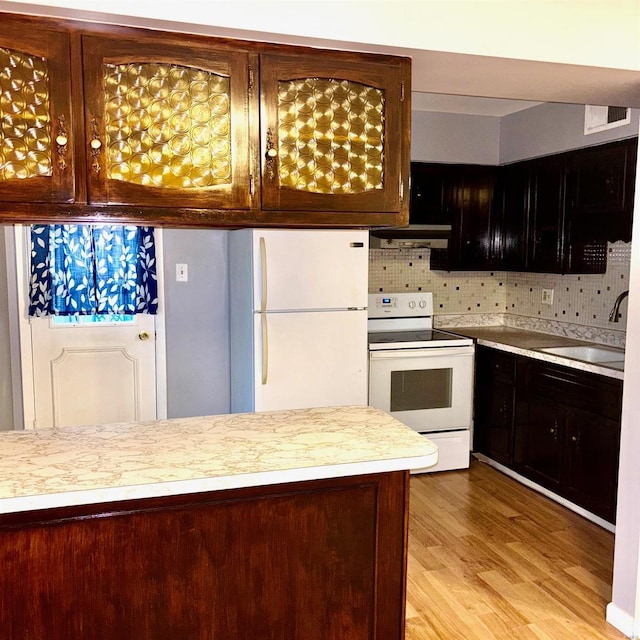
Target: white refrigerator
298,301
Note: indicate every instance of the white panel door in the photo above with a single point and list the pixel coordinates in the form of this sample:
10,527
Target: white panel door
310,359
310,269
94,373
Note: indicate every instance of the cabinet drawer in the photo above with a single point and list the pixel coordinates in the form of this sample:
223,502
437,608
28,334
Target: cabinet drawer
496,364
574,388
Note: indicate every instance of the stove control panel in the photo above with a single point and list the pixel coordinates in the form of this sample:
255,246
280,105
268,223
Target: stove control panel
400,305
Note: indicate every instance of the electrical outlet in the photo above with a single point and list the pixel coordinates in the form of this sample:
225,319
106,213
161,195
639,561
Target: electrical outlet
182,273
547,296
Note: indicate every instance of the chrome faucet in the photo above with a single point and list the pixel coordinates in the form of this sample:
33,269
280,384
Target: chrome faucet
615,312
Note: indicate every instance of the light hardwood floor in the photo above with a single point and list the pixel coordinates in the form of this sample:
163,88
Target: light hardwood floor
491,559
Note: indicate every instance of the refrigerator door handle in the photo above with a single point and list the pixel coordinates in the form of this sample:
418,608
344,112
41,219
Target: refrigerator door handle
263,275
265,348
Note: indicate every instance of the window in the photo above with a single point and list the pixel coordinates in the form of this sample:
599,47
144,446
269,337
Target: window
79,270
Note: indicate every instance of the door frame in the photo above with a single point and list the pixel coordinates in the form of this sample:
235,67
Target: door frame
20,328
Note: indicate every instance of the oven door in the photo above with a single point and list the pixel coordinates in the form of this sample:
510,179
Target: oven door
428,389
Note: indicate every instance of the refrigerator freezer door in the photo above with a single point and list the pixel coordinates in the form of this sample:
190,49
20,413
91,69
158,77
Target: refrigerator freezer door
310,269
310,359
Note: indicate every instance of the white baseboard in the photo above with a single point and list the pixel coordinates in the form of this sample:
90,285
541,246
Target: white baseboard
622,621
546,492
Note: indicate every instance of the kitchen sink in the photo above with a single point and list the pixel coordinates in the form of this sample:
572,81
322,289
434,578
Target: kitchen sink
610,356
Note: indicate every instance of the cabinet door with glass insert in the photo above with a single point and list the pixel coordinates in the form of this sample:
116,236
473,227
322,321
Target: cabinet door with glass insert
167,125
332,133
36,159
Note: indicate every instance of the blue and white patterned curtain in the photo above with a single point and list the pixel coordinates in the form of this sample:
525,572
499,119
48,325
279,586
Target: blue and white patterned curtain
92,269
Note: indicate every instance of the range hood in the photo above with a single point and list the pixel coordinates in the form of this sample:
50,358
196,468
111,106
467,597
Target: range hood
414,236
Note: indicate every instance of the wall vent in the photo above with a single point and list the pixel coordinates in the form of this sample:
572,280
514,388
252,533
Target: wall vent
598,118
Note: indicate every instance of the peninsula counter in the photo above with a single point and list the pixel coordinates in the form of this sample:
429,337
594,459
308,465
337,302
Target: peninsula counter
288,524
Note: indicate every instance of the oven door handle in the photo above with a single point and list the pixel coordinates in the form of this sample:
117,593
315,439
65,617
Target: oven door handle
397,354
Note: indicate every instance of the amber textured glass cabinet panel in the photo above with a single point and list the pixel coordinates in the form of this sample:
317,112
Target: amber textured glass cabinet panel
36,163
26,150
325,129
166,125
330,136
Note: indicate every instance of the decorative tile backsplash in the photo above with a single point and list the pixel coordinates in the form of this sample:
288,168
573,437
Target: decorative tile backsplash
397,270
581,303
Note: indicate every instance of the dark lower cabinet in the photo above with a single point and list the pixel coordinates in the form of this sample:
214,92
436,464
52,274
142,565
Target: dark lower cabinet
592,446
555,425
495,403
567,433
302,561
539,443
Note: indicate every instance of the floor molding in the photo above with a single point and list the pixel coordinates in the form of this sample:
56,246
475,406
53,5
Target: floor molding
545,492
622,621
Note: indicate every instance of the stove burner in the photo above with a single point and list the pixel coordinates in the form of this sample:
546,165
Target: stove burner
391,337
415,339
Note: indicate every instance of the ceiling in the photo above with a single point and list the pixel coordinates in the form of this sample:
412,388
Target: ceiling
497,107
467,75
433,71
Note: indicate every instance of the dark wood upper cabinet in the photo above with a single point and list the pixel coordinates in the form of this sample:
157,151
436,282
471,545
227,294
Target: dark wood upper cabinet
473,234
37,163
537,226
552,214
464,194
545,243
166,124
600,190
333,133
157,127
431,198
512,211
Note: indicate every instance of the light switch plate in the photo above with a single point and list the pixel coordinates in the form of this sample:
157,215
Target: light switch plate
547,296
182,273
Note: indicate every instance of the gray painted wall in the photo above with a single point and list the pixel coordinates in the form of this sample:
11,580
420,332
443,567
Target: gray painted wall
551,128
452,137
197,326
6,389
538,131
197,323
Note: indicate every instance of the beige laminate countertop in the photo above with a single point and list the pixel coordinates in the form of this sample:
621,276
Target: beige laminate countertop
49,468
527,343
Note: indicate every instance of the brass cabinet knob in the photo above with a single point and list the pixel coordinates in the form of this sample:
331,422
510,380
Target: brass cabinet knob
144,335
270,155
95,145
62,138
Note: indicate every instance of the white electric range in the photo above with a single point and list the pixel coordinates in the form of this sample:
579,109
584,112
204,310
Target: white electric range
420,375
